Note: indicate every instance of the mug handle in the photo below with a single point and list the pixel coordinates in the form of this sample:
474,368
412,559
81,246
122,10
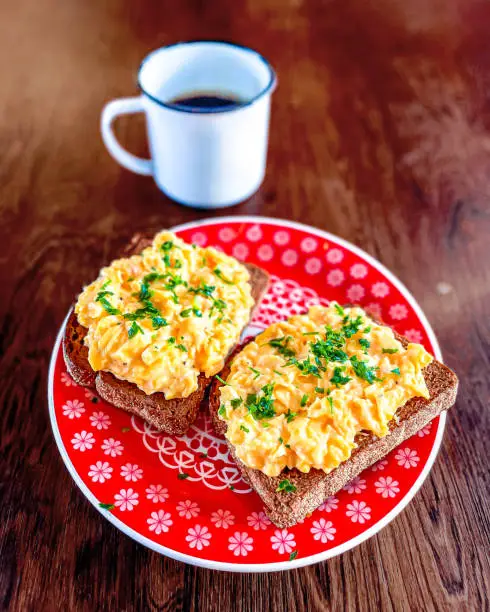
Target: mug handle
123,106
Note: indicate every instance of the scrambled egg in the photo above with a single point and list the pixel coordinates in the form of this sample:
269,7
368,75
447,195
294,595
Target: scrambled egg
300,392
160,318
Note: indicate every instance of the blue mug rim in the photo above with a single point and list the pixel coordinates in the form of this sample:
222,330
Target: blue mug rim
207,111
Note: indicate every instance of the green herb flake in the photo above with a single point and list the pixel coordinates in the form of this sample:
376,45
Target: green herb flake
237,401
286,486
106,305
134,329
338,378
281,346
339,309
186,313
171,340
106,506
352,326
245,429
219,274
396,371
293,555
389,351
222,411
364,343
319,390
304,400
223,382
125,429
181,347
278,373
364,370
256,372
366,330
182,476
290,416
158,322
310,333
261,405
330,401
281,441
167,245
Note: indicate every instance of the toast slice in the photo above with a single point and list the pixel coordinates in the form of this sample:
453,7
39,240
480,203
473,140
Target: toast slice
172,416
312,488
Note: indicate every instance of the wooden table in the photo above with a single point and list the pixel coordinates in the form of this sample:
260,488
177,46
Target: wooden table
380,134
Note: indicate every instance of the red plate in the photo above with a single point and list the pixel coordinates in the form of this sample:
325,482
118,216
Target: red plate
183,496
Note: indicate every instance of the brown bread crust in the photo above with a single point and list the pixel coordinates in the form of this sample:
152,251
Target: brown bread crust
170,416
286,509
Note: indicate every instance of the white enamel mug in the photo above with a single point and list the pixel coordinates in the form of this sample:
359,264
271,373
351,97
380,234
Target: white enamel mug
208,158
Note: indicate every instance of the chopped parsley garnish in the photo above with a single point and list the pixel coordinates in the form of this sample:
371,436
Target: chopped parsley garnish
286,486
366,330
237,401
339,309
364,370
278,373
106,506
158,322
390,351
281,345
396,371
219,274
108,282
223,382
304,400
256,372
306,367
188,311
338,377
107,306
319,390
364,343
330,349
293,555
181,347
330,401
203,289
134,329
245,429
290,416
310,333
171,340
222,410
182,476
351,326
281,441
167,245
261,405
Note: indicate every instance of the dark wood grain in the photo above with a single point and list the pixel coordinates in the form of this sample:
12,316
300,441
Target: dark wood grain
380,134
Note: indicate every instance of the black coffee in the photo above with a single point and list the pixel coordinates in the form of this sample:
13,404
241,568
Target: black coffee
208,101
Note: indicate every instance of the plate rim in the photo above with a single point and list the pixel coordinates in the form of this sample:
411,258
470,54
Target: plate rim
279,565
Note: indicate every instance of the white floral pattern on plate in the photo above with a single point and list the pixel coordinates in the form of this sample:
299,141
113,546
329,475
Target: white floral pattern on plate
159,522
283,541
323,530
240,543
223,518
198,537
